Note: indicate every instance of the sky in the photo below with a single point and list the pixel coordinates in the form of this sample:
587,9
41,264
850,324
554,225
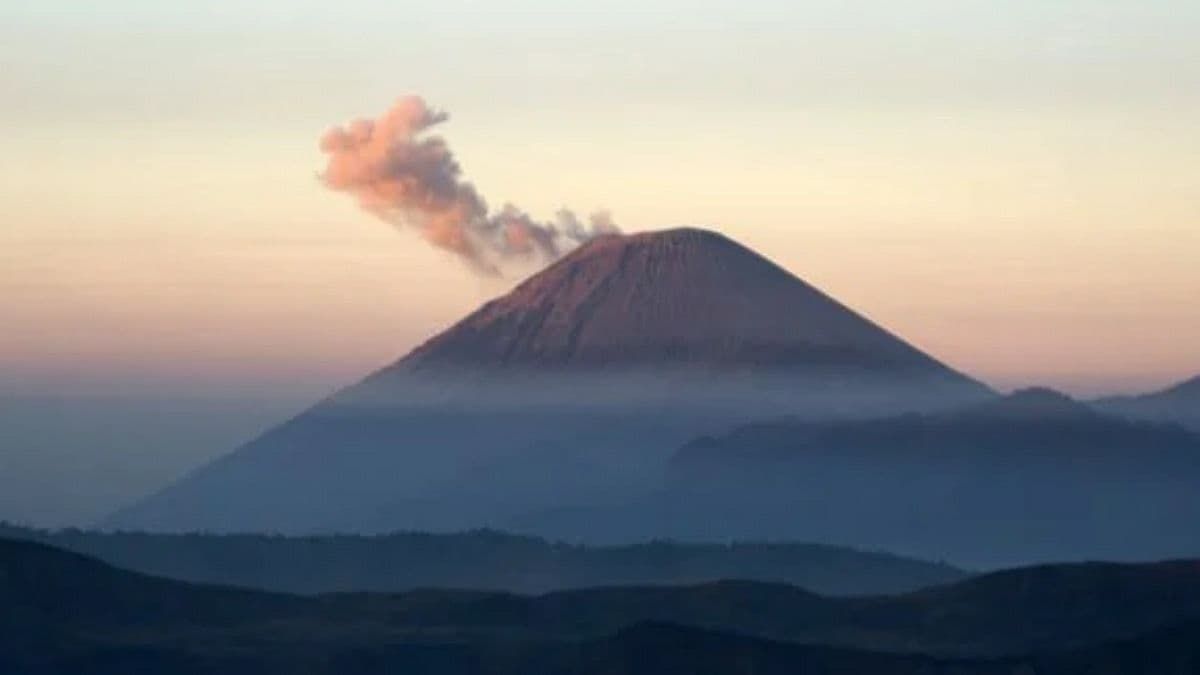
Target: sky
1012,186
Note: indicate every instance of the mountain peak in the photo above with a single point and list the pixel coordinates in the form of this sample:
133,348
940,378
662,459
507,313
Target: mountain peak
679,297
677,236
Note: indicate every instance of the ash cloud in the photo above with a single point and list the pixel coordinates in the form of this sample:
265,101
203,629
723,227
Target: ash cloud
399,172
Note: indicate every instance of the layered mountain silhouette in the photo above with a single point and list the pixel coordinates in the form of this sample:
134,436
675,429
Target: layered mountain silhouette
1179,404
1034,475
572,389
485,560
66,613
1037,424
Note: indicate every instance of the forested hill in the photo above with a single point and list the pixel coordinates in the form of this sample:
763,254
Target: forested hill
67,613
485,560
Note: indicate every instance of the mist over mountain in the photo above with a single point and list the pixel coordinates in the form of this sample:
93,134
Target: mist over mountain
572,389
1179,403
486,560
1031,476
66,613
67,460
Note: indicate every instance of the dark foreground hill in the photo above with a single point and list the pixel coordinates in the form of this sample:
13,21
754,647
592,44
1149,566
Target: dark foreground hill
654,649
486,560
1034,476
65,613
572,389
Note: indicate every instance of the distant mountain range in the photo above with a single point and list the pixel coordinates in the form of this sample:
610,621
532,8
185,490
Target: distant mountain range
65,613
573,388
486,560
1031,476
1028,426
1179,403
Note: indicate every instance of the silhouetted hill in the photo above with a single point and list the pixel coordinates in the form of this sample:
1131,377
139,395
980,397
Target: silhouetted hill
1025,610
1028,477
1173,650
1179,404
67,613
40,585
1032,424
1039,609
655,648
485,560
591,371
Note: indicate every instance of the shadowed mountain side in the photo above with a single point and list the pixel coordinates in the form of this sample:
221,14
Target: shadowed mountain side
1179,404
486,560
573,388
73,459
45,586
1173,650
655,648
1031,425
1034,476
66,613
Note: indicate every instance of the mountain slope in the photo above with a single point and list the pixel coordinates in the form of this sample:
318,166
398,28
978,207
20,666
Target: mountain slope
1171,650
1033,424
487,561
1033,476
1179,404
45,586
571,389
65,613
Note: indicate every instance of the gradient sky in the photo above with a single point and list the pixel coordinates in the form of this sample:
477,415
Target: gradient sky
1013,186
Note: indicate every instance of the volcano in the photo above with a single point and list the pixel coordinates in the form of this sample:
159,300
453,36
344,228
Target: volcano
684,297
576,386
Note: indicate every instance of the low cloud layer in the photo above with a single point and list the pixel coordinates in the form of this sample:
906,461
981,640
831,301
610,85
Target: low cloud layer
409,178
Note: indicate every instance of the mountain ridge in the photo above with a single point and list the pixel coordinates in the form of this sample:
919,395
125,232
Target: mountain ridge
69,613
484,560
1031,476
1178,403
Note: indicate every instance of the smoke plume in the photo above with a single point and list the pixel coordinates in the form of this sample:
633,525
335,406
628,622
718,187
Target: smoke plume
410,179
